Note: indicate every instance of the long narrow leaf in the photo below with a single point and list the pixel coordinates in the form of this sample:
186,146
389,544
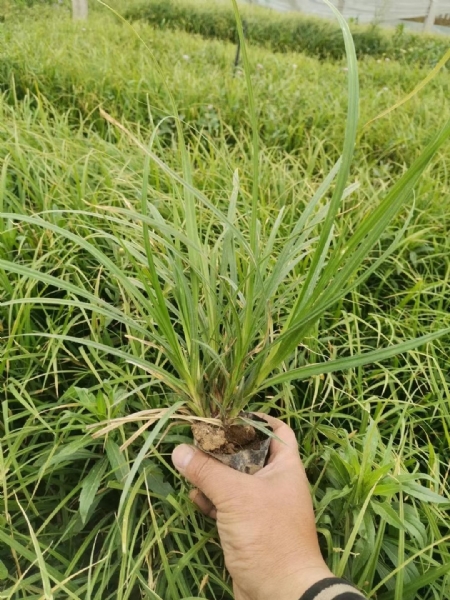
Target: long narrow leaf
319,257
352,362
143,451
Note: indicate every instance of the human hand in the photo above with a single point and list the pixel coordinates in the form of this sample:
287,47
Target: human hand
265,521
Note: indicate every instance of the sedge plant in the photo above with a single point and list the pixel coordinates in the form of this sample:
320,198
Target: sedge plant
230,304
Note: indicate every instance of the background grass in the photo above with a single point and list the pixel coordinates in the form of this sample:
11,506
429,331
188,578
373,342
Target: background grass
292,32
375,440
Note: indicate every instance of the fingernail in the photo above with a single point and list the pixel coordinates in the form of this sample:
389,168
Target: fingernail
182,456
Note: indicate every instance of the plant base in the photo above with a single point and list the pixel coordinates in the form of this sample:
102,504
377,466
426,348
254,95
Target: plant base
241,447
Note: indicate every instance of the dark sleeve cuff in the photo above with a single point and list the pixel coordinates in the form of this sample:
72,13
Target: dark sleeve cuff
332,589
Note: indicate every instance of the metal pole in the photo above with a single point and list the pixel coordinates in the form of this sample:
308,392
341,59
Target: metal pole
431,17
80,9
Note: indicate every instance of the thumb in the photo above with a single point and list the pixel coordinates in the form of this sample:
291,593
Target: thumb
213,478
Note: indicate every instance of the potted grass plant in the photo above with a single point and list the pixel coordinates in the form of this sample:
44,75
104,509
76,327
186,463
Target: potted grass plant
230,304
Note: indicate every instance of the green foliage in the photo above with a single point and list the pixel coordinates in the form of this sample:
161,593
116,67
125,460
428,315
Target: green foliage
209,93
91,519
287,33
27,3
29,9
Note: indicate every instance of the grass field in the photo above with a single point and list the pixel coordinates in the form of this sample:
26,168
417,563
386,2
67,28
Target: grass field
74,307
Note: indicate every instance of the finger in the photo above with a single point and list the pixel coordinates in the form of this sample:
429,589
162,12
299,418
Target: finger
203,503
214,479
286,446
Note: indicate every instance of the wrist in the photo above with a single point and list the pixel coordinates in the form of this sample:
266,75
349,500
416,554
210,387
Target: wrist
292,586
289,585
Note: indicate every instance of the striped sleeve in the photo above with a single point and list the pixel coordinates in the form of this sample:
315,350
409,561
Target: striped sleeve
332,589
